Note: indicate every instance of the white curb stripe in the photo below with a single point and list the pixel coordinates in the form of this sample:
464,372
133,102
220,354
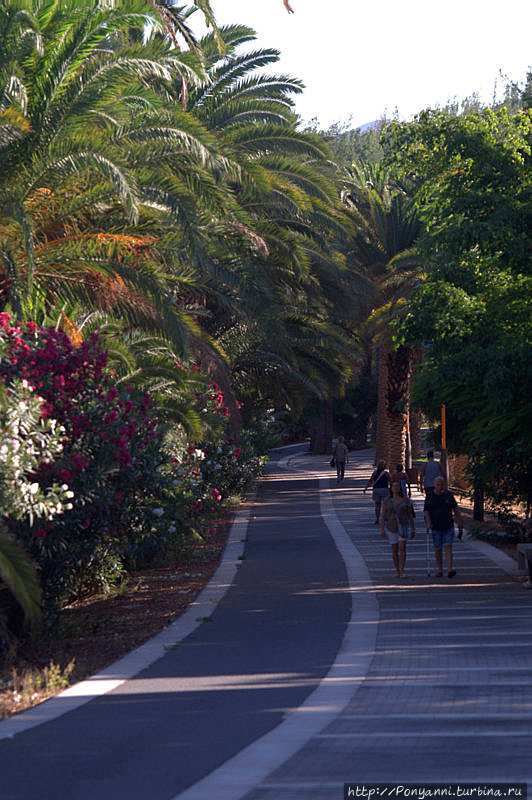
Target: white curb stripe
129,665
252,765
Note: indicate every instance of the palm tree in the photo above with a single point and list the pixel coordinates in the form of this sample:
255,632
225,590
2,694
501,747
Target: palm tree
117,200
85,166
387,228
285,214
18,580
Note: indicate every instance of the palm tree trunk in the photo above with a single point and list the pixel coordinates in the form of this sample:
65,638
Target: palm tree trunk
397,439
321,439
399,363
415,433
415,416
381,449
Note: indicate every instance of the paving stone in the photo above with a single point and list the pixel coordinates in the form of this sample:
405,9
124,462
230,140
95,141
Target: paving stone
448,695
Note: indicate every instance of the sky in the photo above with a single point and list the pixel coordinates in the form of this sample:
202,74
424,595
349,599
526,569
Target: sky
362,59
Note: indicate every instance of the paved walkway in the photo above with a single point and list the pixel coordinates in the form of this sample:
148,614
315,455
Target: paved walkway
448,694
318,667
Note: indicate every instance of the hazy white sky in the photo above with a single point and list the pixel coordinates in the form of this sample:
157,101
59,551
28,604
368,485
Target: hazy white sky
360,57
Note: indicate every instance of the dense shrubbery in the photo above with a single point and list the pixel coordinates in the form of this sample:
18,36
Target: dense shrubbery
138,491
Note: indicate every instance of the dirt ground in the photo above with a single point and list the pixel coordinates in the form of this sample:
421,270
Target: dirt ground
490,523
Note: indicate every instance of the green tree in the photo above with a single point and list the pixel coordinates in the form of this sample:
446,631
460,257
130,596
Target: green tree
284,339
98,162
473,312
350,145
386,230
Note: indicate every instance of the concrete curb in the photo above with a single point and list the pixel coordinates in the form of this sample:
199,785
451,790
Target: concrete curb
146,654
504,561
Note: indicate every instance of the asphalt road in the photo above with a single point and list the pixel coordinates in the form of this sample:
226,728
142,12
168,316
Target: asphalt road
266,647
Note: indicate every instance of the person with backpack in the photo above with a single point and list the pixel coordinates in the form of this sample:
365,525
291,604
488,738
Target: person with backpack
401,476
380,480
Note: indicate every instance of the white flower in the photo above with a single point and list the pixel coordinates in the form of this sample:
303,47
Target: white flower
199,454
34,488
69,494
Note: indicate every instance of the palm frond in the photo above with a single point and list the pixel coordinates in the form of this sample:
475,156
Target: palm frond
18,573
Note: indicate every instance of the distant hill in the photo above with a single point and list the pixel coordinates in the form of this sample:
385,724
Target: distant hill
369,126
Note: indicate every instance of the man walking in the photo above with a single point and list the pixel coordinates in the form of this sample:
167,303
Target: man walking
439,508
429,472
341,457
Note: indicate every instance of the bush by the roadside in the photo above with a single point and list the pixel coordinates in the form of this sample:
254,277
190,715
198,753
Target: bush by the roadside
140,492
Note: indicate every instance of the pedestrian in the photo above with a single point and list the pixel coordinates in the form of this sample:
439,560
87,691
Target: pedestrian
380,480
401,476
429,472
398,517
439,508
341,458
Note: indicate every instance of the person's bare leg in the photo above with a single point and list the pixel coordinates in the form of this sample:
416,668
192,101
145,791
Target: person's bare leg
402,557
395,556
439,563
449,560
377,510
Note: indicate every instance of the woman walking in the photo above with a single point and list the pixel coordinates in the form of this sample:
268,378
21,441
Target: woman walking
397,515
380,479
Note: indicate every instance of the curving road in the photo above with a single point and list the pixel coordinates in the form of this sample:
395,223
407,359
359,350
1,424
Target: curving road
316,667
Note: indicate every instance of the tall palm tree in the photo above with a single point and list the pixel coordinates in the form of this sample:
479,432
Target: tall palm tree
85,162
286,210
387,229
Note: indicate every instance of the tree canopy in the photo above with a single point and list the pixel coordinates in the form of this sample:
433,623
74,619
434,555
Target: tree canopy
472,313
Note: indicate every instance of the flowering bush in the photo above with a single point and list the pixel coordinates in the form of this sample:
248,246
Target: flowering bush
198,478
27,440
137,493
109,459
227,465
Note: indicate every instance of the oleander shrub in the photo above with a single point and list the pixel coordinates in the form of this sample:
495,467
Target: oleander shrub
110,458
138,492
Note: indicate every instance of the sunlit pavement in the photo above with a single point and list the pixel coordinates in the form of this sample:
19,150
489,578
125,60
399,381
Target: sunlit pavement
318,667
448,693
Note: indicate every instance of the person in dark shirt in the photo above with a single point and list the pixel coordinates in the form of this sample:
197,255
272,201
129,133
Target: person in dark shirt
380,480
341,458
439,508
